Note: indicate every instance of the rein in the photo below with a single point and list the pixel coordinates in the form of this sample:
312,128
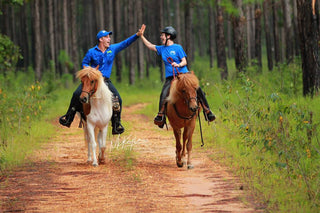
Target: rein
90,93
170,60
183,117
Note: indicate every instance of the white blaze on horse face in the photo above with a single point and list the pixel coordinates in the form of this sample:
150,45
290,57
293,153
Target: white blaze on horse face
87,89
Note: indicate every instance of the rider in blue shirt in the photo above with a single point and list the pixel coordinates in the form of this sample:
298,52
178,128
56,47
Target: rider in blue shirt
174,58
101,55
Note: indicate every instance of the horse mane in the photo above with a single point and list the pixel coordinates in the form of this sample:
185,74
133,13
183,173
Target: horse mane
103,91
183,81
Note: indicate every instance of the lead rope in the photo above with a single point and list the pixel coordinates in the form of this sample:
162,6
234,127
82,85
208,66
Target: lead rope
170,60
202,143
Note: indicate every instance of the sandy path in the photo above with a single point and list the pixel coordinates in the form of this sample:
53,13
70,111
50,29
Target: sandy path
58,179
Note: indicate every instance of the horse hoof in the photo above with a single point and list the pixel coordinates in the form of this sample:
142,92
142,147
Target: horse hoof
95,164
101,161
180,164
190,166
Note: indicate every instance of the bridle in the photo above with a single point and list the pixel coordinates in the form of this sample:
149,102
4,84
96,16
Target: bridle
187,101
91,92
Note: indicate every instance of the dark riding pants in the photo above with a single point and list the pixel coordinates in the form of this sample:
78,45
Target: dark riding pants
75,100
166,89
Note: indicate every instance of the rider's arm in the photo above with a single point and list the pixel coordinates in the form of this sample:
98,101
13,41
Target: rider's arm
181,64
148,44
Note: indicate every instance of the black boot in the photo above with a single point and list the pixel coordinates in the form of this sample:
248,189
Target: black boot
208,115
117,128
67,119
160,119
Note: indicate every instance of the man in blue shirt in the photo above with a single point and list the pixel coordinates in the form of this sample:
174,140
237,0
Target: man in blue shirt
101,55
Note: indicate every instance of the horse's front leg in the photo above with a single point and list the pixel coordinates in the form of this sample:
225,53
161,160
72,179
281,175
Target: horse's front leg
187,136
92,144
87,140
102,144
177,135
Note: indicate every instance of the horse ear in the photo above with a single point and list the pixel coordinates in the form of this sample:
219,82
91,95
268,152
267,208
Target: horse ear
97,68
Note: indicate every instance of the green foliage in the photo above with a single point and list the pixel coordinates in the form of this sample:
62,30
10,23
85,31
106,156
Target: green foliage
64,60
9,54
271,134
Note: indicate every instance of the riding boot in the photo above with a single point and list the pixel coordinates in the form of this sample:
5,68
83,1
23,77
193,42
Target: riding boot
208,115
67,119
160,118
117,128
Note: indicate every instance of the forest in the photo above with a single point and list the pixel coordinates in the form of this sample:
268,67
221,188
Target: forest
54,35
257,61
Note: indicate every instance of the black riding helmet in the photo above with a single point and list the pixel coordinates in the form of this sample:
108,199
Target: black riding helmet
170,31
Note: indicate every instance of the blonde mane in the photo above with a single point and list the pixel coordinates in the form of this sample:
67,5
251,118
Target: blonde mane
103,91
182,82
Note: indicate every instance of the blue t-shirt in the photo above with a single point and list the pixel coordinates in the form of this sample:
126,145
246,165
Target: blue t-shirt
95,56
175,52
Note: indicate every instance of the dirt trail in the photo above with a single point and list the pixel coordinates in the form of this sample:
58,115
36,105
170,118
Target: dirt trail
60,180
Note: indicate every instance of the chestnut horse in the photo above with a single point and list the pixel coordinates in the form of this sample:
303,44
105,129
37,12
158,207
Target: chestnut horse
97,106
182,107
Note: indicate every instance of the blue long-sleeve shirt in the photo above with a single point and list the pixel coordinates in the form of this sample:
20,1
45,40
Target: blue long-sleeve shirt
95,56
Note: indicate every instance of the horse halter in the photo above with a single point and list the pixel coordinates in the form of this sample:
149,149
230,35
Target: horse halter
187,100
91,92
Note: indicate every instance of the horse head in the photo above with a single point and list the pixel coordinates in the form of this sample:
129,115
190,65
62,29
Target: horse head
186,87
90,80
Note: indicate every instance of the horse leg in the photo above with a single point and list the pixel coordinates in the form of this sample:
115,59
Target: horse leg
92,144
87,141
184,138
177,134
102,144
187,137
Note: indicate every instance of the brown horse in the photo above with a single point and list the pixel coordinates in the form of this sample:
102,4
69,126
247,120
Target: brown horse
182,107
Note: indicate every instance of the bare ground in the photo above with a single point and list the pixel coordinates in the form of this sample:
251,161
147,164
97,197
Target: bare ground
58,179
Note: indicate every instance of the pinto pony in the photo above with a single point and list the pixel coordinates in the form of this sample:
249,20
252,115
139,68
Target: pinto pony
97,106
182,107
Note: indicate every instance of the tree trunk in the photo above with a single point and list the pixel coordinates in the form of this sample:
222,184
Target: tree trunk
65,32
276,33
178,21
51,32
131,50
287,12
295,29
211,36
221,43
188,32
38,44
308,32
161,19
258,35
267,33
75,57
116,35
140,43
238,34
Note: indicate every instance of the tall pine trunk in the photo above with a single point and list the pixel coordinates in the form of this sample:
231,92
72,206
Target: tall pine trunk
258,29
38,44
238,35
268,36
308,32
221,43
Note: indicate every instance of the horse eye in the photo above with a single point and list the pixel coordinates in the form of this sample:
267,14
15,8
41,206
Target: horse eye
92,82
